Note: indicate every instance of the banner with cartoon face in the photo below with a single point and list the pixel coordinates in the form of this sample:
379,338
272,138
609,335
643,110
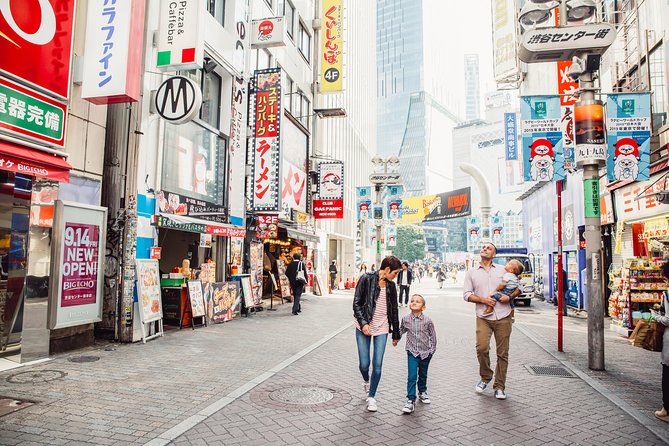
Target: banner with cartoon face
543,158
629,126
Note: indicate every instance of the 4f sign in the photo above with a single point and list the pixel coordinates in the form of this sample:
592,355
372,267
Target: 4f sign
39,31
178,100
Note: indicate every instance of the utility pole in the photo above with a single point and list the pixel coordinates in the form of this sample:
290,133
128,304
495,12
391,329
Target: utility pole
379,225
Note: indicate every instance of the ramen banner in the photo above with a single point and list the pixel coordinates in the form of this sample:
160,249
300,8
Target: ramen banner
543,158
628,126
441,206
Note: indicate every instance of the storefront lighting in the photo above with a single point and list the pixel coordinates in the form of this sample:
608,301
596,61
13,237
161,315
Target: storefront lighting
277,242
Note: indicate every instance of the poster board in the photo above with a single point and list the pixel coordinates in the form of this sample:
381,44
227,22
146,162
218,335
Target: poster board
275,286
247,291
76,281
196,296
317,286
256,270
284,283
148,290
225,299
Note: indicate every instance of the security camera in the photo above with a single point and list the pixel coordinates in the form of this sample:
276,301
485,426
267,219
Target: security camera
576,69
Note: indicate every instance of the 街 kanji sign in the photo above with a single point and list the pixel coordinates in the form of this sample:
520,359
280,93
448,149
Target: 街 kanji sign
266,147
332,45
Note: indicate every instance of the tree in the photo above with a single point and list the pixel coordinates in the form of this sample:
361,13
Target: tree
410,243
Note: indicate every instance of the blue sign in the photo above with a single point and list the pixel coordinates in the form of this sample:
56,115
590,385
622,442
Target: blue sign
394,210
363,193
364,209
511,136
543,158
629,126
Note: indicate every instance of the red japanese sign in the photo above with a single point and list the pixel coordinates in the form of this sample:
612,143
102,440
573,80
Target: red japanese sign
33,162
566,85
637,200
225,231
38,31
267,115
328,209
268,226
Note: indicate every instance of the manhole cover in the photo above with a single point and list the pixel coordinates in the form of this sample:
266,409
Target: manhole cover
9,405
35,377
550,371
81,359
302,395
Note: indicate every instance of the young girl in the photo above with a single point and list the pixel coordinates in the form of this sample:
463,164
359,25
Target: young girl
375,313
420,346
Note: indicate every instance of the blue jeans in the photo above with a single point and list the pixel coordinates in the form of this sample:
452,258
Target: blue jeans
507,292
364,343
417,374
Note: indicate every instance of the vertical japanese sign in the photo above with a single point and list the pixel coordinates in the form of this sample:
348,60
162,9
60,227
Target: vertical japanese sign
567,126
332,45
504,40
113,54
511,136
180,35
76,287
237,153
542,138
629,128
567,87
266,150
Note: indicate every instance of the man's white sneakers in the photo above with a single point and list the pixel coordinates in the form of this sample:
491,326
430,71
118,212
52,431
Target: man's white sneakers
371,405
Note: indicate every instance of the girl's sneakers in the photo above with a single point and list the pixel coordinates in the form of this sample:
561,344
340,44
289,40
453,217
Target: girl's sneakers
371,405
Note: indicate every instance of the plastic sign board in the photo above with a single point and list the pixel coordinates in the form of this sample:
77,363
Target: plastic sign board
628,123
542,138
180,35
385,178
331,180
332,45
113,53
328,209
78,254
268,33
237,153
504,41
31,115
178,100
590,139
36,43
511,136
562,43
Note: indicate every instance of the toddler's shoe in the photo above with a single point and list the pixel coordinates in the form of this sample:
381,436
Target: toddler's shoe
409,406
488,310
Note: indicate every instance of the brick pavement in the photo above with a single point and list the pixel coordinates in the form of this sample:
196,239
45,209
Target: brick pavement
139,392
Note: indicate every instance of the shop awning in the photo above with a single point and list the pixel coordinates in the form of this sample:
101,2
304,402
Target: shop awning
190,224
32,162
301,235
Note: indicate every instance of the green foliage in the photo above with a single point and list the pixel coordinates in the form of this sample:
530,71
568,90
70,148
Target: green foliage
410,243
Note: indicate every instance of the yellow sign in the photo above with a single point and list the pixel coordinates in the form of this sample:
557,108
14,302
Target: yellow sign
620,227
332,45
414,210
657,228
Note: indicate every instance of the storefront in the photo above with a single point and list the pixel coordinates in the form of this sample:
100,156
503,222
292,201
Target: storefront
641,243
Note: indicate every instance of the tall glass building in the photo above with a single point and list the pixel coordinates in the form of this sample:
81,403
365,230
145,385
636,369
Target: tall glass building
410,122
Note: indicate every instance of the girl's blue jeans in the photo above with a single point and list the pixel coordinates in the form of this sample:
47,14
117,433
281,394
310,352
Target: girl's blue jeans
364,344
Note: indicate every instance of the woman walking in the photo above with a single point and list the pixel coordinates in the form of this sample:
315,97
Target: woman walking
441,277
375,312
663,414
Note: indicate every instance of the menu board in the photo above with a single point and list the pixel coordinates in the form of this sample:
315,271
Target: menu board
256,256
225,299
196,296
283,279
247,290
148,290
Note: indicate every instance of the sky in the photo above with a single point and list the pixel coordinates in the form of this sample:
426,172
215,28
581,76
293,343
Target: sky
452,30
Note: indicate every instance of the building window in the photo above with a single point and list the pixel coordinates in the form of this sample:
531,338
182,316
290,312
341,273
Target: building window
304,42
264,60
288,93
306,105
211,99
217,9
658,85
288,10
301,106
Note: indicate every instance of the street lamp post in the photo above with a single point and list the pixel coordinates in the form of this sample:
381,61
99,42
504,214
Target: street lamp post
385,174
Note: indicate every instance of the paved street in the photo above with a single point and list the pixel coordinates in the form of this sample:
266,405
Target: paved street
247,381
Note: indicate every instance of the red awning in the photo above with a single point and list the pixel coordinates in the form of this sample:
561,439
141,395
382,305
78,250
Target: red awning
33,162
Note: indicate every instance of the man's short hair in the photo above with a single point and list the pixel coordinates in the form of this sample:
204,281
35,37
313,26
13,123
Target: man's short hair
493,246
297,256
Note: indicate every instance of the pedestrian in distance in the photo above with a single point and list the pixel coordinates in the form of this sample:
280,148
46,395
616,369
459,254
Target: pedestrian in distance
333,275
663,414
421,343
363,269
373,267
441,277
296,274
375,315
404,279
480,285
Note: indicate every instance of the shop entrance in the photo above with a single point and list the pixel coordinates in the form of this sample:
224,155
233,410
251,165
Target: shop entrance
179,245
15,194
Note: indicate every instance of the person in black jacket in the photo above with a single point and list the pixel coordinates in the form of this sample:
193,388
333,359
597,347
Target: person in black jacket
296,285
404,279
333,275
375,313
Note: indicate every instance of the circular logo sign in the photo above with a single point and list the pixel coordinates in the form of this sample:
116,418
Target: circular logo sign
178,100
331,74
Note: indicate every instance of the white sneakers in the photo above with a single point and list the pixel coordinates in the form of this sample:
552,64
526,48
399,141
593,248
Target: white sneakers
371,405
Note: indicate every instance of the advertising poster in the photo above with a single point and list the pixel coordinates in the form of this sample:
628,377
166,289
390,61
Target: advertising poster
247,290
148,290
255,260
453,204
332,45
364,207
391,235
225,299
266,146
237,153
81,246
294,168
283,279
328,209
543,158
268,226
196,296
473,232
496,228
394,209
629,127
567,125
174,204
331,180
182,50
504,41
590,135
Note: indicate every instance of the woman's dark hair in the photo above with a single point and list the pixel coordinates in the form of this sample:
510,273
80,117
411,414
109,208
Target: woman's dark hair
665,269
391,262
297,256
405,264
